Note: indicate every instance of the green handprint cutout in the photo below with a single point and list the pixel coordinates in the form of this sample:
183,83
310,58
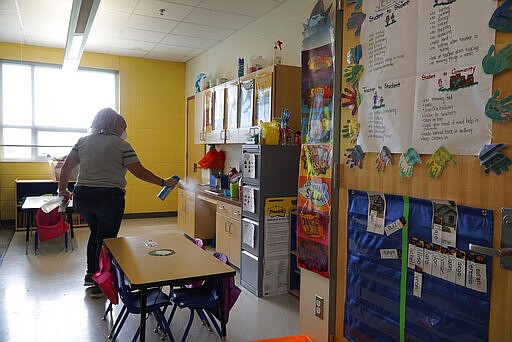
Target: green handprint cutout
500,62
353,73
351,130
499,109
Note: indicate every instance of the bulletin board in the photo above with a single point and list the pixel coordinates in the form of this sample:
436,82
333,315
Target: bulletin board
463,181
378,298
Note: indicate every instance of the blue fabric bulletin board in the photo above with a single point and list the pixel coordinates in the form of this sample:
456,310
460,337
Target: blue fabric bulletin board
445,311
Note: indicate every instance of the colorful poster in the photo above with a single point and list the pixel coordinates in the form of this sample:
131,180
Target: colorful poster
315,172
317,94
423,84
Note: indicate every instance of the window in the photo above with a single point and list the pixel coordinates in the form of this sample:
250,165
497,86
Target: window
44,110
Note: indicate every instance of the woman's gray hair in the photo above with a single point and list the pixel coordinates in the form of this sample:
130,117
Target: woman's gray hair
105,121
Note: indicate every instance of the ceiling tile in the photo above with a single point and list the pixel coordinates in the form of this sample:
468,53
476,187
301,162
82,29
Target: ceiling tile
53,9
245,7
172,11
172,39
185,2
201,31
109,17
212,18
9,17
128,44
150,23
176,50
264,8
118,5
142,35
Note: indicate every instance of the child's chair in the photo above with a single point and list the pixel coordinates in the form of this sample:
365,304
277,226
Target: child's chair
49,226
205,300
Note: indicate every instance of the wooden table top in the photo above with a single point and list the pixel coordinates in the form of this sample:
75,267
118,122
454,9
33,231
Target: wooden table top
177,261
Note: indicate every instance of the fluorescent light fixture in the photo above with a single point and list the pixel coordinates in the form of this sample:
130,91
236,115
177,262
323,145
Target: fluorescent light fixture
80,23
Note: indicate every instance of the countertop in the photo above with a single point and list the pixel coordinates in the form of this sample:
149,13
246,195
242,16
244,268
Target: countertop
215,194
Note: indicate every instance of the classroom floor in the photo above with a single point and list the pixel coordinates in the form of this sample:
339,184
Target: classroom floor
42,298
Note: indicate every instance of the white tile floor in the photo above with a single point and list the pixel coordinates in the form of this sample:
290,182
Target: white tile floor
42,298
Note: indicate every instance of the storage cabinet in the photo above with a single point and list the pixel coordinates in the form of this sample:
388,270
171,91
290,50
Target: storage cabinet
228,231
259,96
196,215
270,173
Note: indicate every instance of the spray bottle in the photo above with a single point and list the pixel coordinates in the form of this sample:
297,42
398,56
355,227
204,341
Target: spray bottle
167,189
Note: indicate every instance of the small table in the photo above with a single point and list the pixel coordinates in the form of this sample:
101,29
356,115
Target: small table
186,264
32,204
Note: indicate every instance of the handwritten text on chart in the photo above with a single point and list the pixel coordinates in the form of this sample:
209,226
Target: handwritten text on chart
439,120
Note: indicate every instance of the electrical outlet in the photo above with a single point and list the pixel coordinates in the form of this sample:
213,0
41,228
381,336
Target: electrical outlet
319,307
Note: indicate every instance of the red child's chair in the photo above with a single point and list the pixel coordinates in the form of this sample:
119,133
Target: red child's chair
49,226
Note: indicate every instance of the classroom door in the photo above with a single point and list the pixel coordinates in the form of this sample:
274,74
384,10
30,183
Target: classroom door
194,151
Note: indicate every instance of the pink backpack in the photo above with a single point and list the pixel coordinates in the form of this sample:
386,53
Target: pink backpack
104,278
50,225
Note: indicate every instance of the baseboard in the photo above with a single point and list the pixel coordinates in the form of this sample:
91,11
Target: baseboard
150,215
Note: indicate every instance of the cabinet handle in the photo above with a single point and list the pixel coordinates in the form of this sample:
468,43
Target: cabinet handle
226,134
229,230
221,207
221,135
236,212
226,227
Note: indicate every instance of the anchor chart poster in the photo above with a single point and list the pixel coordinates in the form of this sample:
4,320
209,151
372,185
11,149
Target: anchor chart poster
423,84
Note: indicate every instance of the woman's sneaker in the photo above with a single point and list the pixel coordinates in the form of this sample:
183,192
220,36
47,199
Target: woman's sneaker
88,281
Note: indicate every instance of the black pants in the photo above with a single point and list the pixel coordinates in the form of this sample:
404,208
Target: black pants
103,210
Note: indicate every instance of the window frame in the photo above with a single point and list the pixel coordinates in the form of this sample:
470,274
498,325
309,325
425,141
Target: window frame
36,128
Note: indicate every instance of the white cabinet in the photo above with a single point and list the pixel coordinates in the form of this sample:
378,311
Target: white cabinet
228,231
231,112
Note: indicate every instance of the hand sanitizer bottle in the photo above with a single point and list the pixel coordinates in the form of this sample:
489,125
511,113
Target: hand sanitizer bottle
167,189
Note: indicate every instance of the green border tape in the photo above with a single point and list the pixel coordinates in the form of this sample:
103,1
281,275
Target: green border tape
403,280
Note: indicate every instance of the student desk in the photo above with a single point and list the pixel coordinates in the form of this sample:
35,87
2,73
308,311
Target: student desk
185,264
32,204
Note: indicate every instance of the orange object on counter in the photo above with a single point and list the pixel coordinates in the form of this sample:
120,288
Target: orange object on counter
213,159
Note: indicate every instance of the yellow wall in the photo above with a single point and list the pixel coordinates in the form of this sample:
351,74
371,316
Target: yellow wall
152,99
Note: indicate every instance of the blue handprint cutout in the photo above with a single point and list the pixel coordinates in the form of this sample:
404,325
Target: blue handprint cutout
355,156
355,54
357,2
492,160
501,19
500,62
356,21
499,109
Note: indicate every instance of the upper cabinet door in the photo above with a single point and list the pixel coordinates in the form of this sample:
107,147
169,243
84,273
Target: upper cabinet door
199,124
246,116
215,133
264,97
218,112
208,111
232,112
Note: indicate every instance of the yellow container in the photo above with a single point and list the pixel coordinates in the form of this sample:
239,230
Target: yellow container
269,133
